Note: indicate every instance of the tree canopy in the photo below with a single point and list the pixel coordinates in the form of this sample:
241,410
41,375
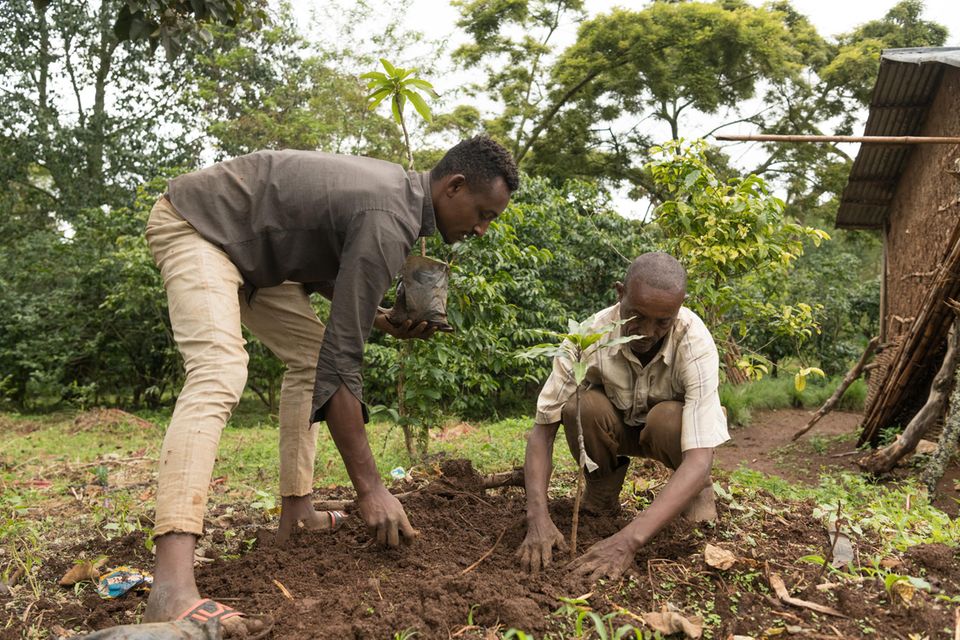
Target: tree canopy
94,119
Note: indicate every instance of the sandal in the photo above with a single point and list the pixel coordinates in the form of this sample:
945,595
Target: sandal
206,610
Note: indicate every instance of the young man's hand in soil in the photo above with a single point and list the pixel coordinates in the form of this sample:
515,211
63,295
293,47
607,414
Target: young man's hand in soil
380,510
385,518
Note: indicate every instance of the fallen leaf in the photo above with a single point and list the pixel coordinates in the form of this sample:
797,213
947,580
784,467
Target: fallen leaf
283,590
667,622
718,557
890,562
776,582
842,548
925,447
903,590
87,570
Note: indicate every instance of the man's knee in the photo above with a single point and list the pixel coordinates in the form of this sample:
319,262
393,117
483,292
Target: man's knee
221,381
668,415
660,438
601,427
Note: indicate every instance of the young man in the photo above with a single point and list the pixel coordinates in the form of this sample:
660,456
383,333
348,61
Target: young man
654,397
244,242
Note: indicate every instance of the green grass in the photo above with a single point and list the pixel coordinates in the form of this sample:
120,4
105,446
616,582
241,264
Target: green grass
248,453
741,401
863,505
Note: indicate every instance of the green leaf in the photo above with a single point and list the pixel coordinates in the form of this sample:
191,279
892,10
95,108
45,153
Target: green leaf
419,104
395,107
377,97
423,85
392,70
579,371
375,75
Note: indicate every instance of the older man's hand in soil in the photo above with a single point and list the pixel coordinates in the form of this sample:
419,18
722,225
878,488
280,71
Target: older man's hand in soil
536,550
385,518
609,558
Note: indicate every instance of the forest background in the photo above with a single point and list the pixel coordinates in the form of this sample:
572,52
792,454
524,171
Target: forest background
101,103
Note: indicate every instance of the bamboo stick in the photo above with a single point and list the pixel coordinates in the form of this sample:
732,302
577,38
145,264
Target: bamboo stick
771,137
928,329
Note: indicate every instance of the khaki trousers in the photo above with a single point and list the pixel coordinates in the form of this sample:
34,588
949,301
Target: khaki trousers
207,306
606,438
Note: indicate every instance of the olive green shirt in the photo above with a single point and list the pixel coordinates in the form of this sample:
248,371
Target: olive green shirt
319,219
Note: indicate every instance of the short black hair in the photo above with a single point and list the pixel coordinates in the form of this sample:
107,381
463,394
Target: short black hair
481,160
659,270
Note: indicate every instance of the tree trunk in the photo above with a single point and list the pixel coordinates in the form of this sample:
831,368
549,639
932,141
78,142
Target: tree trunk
848,379
883,460
948,437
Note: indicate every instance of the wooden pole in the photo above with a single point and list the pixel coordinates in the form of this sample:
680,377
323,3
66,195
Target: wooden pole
770,137
885,459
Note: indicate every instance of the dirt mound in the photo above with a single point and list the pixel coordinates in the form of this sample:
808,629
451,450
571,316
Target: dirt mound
100,419
461,577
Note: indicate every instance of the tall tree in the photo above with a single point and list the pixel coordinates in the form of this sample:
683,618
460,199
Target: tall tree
591,114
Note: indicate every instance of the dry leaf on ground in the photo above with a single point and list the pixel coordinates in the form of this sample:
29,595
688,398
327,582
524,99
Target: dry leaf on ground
667,622
842,548
88,570
718,557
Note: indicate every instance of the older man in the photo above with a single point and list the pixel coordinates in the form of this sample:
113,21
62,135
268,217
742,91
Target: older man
654,397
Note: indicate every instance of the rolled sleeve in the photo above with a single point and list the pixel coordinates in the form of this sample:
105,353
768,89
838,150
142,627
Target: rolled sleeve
555,393
373,253
704,424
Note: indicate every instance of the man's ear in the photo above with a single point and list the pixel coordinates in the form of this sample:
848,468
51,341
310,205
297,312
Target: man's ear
454,183
619,287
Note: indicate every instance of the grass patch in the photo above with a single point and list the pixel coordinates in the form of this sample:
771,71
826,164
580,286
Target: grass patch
51,452
741,401
899,514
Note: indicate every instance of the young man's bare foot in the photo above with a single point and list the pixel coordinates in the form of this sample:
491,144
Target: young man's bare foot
297,510
174,591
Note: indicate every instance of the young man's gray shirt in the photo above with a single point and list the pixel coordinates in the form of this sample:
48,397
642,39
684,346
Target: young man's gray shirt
319,219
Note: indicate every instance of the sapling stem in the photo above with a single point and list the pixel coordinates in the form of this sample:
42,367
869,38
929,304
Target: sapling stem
580,481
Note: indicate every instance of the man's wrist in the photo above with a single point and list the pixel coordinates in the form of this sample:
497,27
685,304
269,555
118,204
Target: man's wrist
537,510
635,534
368,486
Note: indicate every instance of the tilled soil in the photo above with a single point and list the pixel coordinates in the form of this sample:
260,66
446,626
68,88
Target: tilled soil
342,586
461,577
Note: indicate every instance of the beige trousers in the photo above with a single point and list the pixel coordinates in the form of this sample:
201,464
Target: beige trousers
606,438
207,306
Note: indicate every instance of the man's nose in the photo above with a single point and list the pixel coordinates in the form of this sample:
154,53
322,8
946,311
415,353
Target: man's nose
643,329
481,229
